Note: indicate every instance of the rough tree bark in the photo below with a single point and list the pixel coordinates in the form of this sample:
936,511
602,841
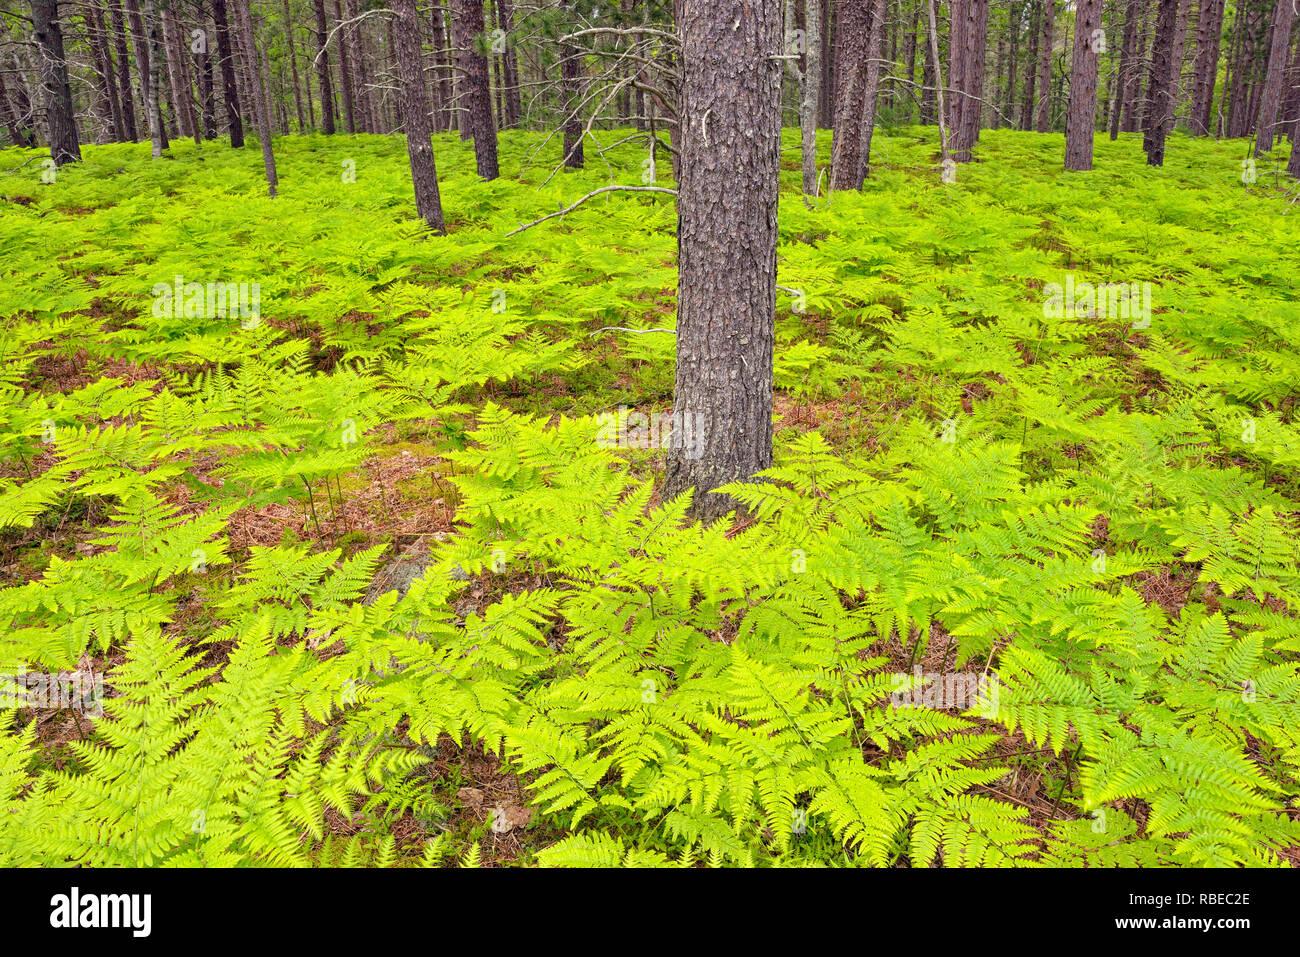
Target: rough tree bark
60,120
1081,118
415,114
1160,99
292,55
476,101
570,80
727,232
852,39
1270,103
323,68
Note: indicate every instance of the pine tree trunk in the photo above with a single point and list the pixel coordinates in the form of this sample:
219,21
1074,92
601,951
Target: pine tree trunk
260,94
207,90
476,100
1270,103
510,66
61,121
852,40
442,73
1043,121
415,114
345,72
571,79
1160,99
871,92
826,99
727,233
1080,121
229,85
323,69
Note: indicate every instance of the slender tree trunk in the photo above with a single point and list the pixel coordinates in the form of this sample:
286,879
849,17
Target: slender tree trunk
124,94
936,68
323,69
910,56
19,132
144,22
207,89
61,121
293,66
105,86
1127,66
226,61
1044,117
826,99
182,108
512,113
467,30
1031,68
442,73
415,114
875,49
345,72
811,93
727,232
362,101
1270,103
1080,121
261,96
1159,107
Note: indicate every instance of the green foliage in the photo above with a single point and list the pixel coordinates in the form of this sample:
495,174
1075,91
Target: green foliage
1091,525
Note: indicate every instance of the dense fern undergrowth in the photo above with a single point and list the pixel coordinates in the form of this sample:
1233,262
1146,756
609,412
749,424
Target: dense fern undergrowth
1088,519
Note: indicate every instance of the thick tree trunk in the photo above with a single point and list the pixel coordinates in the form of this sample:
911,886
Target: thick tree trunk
852,40
415,114
1160,99
476,101
570,79
727,232
60,120
1270,103
323,69
1043,121
966,74
1080,121
261,97
826,97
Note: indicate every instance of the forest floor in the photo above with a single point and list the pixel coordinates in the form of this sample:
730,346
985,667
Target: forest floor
987,472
